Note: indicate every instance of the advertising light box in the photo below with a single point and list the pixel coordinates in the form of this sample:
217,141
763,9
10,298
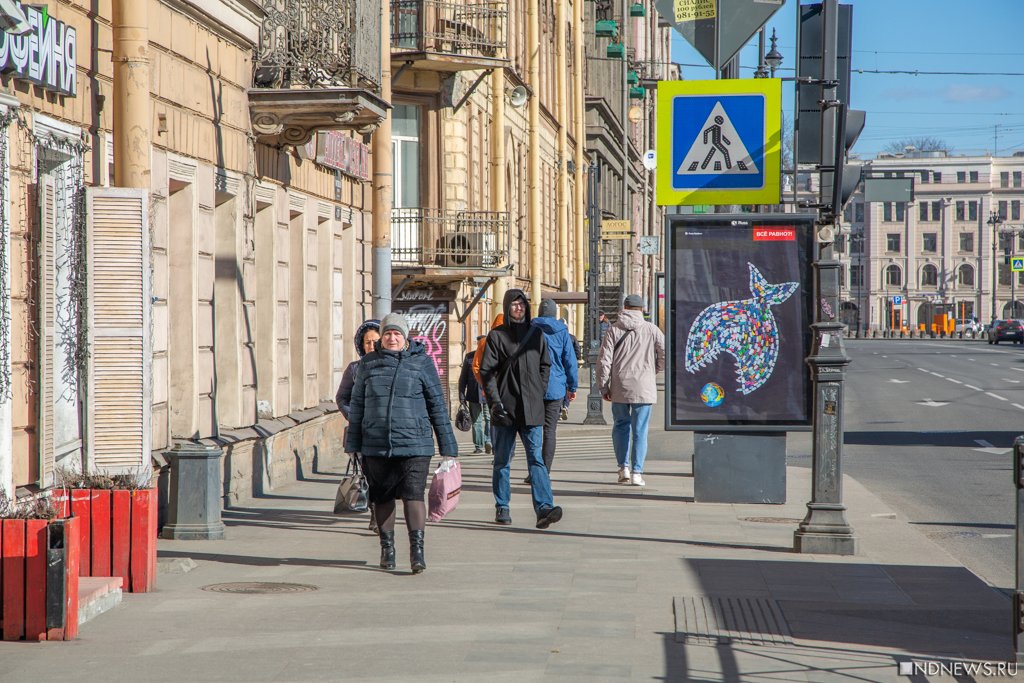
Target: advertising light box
740,302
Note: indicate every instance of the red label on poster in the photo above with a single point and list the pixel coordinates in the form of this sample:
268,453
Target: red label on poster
775,234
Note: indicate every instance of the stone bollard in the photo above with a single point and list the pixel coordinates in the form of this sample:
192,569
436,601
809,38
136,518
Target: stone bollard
195,496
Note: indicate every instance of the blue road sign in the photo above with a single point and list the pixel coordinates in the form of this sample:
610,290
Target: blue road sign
1017,264
719,142
897,301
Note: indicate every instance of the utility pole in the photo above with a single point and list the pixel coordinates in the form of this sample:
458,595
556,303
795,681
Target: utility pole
825,530
994,220
383,181
595,408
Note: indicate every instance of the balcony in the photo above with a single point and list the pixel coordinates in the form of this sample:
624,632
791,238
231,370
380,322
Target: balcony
449,35
317,67
443,245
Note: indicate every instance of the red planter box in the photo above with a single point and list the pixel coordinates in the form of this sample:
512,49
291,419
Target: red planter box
39,579
117,534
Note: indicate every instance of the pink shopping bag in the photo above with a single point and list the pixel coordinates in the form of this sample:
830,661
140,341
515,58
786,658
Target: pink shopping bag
445,490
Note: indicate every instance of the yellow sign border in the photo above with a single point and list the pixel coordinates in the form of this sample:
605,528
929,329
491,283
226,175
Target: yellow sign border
771,89
1013,260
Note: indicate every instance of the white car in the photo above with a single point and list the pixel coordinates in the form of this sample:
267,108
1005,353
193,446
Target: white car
969,327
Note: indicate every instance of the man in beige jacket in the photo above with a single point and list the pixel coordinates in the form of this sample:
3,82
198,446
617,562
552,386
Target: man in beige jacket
632,353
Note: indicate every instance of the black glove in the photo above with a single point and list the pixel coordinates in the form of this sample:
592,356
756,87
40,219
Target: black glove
501,417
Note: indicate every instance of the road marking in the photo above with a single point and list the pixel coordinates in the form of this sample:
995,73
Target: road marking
989,393
1011,381
923,370
997,535
885,356
1018,369
971,386
932,404
1017,405
899,381
954,381
936,374
952,355
989,449
971,359
995,365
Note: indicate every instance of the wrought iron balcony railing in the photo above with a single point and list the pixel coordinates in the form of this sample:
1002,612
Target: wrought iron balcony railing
450,35
318,44
317,66
459,240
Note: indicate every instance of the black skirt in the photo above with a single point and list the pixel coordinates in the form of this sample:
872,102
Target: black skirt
393,478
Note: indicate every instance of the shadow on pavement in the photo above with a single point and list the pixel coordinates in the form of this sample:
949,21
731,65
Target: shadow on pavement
254,561
939,611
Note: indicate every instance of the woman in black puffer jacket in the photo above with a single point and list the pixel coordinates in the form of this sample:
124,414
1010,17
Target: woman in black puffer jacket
397,407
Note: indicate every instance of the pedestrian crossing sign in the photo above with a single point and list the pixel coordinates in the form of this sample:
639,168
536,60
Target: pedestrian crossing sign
1017,264
719,142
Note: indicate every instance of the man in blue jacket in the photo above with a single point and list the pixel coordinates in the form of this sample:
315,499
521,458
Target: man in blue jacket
564,378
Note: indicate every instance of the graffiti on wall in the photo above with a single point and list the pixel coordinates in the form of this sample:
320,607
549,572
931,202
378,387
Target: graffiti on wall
428,324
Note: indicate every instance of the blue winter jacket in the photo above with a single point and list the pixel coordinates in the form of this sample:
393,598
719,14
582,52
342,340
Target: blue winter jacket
564,369
398,406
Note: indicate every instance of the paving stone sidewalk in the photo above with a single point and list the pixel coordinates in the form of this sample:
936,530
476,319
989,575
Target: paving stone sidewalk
634,584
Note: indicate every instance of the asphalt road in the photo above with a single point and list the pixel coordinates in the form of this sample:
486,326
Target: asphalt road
929,429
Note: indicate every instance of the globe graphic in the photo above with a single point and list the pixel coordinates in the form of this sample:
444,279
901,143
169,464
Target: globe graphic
712,395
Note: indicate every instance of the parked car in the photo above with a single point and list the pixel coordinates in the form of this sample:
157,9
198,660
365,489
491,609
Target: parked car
1008,330
968,326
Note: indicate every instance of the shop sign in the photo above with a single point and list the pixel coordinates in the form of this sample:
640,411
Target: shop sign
47,55
341,152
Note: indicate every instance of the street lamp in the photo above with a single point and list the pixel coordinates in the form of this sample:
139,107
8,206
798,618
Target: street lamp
774,58
995,221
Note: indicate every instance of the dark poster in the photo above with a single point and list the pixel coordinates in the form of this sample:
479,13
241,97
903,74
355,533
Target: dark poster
428,324
740,303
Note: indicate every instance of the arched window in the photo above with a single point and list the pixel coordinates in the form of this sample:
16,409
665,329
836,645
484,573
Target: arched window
893,276
929,275
965,276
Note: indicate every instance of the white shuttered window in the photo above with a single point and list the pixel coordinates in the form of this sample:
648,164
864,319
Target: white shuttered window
119,330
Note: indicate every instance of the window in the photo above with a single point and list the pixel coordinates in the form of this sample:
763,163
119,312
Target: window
1004,179
848,213
937,177
856,244
972,211
1015,210
967,242
965,276
887,211
961,177
960,211
1020,241
856,276
1004,274
922,211
1016,179
1002,209
974,176
930,242
900,210
858,213
925,177
929,276
937,211
893,276
892,242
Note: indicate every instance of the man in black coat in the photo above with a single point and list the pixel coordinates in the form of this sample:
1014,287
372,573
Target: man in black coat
515,370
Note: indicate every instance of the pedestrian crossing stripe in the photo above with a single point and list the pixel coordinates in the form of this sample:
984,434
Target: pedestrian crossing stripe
717,149
719,142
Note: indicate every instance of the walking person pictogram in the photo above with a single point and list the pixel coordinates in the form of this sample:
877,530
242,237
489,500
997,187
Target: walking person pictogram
718,142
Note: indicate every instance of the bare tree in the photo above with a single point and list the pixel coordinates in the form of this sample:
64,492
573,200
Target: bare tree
923,143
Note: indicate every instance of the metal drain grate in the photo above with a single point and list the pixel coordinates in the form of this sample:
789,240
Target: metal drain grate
259,587
711,620
772,520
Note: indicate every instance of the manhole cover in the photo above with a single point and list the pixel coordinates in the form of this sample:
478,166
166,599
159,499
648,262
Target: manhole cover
259,587
772,520
952,534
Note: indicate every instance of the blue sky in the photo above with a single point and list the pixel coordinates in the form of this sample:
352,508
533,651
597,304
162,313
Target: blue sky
973,114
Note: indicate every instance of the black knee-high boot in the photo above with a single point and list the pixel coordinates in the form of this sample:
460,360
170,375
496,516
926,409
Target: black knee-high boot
387,550
419,563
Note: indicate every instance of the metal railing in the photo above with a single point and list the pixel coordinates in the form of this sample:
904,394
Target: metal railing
449,239
318,44
469,28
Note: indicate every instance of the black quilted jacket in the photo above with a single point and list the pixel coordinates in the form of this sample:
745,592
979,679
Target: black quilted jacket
398,405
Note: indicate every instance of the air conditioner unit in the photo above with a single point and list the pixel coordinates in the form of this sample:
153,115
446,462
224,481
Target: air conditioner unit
467,250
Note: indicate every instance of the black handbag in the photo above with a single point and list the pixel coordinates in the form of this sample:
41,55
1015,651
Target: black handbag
463,418
353,497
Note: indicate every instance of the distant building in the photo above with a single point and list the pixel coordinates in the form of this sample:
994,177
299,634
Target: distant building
945,252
